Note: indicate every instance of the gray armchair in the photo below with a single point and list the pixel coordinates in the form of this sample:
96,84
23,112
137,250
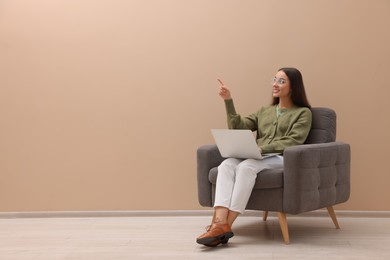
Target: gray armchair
315,175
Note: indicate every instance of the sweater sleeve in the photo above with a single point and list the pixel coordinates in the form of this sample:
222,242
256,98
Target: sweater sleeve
236,121
296,135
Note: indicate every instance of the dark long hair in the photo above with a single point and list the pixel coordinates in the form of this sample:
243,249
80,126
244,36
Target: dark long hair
298,93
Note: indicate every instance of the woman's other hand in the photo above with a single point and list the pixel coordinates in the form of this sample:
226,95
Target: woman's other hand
224,92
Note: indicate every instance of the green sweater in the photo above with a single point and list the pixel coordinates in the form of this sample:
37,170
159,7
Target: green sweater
274,134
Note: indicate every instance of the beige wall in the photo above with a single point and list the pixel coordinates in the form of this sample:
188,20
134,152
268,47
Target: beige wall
103,103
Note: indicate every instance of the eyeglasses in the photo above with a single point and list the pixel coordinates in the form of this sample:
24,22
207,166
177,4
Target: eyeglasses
279,81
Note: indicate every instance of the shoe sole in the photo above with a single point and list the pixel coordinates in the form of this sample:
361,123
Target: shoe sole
217,242
208,241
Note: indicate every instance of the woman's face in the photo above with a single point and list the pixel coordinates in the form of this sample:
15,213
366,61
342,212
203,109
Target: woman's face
281,85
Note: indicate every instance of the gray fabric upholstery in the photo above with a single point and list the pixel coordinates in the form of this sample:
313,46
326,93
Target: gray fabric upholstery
323,127
315,175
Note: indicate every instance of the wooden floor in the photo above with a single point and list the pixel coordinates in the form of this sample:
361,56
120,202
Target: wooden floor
174,238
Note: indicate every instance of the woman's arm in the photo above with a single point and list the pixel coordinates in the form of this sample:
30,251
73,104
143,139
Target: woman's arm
234,120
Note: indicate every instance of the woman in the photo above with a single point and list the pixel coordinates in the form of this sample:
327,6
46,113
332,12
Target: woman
285,123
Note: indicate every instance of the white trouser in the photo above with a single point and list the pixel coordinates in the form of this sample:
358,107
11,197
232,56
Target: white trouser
236,178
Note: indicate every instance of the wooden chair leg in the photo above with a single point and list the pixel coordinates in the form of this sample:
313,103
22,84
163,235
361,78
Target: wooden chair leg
332,214
284,227
265,215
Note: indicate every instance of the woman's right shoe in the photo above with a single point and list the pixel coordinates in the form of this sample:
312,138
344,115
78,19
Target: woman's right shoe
215,235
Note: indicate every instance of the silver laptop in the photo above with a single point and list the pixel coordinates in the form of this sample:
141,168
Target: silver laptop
235,143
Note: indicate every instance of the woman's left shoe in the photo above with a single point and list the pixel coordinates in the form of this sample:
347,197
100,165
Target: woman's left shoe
215,235
217,242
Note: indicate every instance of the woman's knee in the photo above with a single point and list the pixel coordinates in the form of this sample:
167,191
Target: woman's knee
228,167
230,164
246,171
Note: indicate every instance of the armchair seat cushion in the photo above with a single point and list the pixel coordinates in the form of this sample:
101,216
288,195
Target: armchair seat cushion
267,179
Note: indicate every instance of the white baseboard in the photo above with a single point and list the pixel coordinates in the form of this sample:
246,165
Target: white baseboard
179,213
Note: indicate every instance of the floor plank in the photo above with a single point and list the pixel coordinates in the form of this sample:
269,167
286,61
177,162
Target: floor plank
174,238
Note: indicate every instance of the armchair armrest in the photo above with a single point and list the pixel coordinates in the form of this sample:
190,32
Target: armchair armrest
316,176
208,157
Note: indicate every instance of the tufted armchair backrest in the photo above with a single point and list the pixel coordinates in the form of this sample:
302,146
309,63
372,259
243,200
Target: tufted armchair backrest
323,128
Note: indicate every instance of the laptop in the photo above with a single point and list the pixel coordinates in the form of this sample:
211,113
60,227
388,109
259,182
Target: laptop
237,143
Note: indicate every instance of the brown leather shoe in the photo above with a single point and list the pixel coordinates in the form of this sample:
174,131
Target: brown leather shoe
216,234
215,243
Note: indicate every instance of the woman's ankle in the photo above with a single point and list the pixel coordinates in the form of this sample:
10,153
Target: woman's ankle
220,221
